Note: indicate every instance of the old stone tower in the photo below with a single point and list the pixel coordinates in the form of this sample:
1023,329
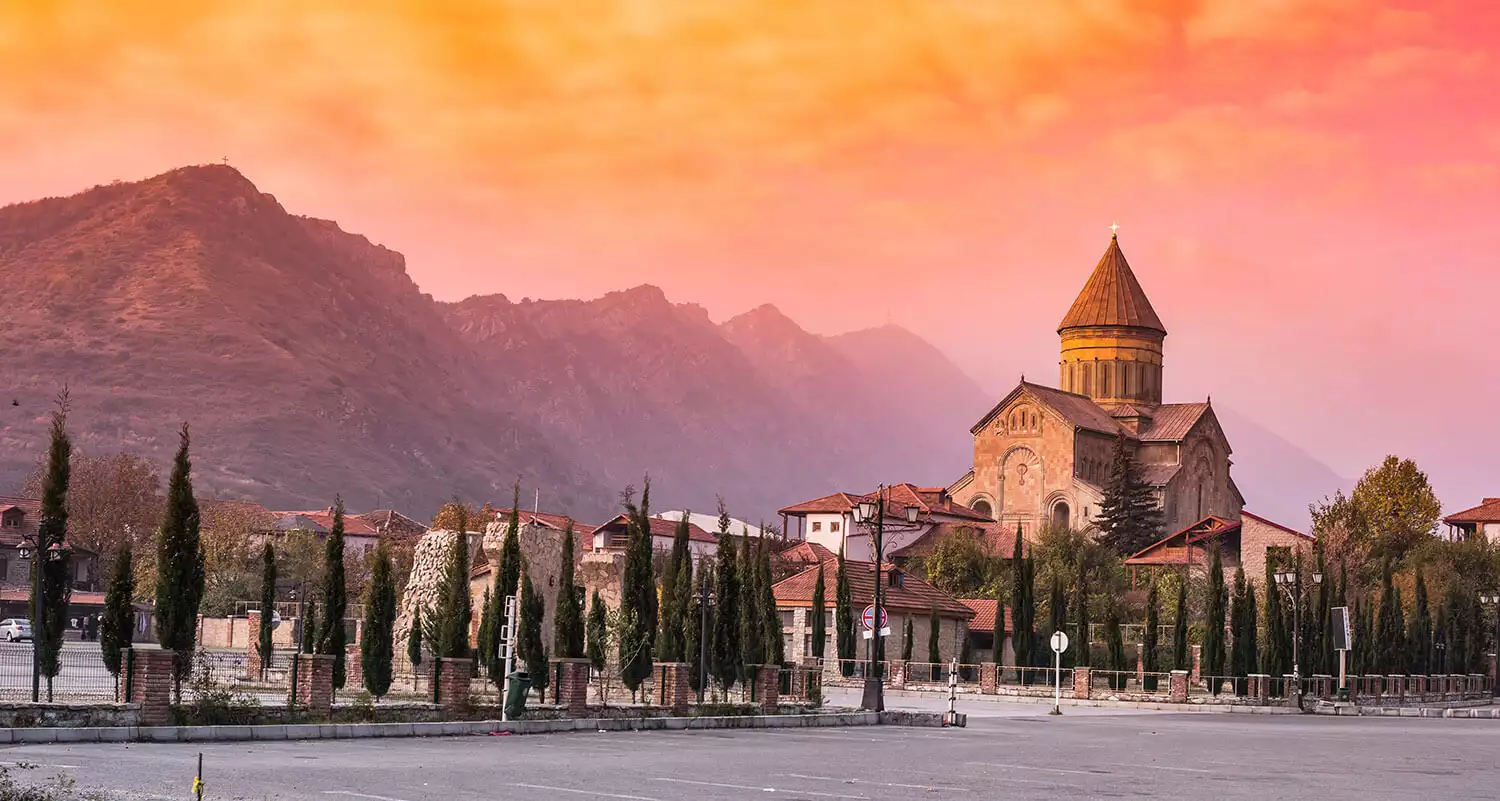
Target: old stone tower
1042,455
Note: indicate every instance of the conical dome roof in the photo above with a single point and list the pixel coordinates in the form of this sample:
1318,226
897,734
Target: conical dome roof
1112,297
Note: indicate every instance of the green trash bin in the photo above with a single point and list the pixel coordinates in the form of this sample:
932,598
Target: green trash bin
515,695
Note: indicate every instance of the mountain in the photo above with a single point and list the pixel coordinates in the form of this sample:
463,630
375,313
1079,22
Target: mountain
1277,478
309,363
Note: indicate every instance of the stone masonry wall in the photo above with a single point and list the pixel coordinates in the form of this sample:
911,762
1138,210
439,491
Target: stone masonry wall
428,563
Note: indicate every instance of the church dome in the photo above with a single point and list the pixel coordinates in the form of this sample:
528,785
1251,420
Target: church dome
1112,297
1112,338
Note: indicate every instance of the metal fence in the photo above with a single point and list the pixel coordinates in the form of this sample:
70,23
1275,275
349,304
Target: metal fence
81,674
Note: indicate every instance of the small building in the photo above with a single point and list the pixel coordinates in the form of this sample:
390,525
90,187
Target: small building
20,524
540,536
830,521
982,632
1251,542
1482,520
360,537
906,598
614,534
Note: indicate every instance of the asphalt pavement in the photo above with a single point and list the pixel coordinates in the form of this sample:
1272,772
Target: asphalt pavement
1026,756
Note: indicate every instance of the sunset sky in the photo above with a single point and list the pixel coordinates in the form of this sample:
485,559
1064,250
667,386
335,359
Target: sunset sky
1309,190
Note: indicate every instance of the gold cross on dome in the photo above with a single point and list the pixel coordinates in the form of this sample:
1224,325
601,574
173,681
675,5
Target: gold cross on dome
1114,229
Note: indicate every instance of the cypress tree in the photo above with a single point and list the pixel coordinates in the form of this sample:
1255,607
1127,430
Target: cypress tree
567,620
685,620
1180,659
819,613
598,632
51,560
507,584
775,643
1276,660
264,641
1057,612
377,648
693,629
117,626
1149,661
414,640
934,627
1477,637
1364,645
843,618
752,621
1238,667
1387,657
486,643
529,636
1129,518
1421,632
331,634
638,595
1021,608
906,645
726,640
179,566
1085,656
669,642
309,644
1252,652
1116,648
1326,662
1213,623
451,619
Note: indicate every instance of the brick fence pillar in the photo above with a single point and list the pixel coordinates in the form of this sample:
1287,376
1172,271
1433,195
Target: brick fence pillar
253,664
314,687
799,682
1081,680
676,689
354,669
1197,663
898,674
151,683
768,687
573,686
454,678
1177,690
989,678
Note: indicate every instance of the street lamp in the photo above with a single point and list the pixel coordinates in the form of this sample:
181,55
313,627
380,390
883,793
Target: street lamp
871,514
29,548
1493,599
705,602
1292,580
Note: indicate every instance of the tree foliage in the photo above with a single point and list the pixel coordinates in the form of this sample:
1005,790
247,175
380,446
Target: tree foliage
1129,517
961,564
934,637
598,632
414,639
638,599
907,641
819,616
567,618
843,618
1084,647
179,564
1150,657
111,499
331,633
1213,621
773,643
1180,658
1276,659
117,626
697,628
450,622
1116,646
456,512
377,647
726,638
506,584
529,648
1022,605
752,617
264,641
670,643
51,561
1057,616
1391,511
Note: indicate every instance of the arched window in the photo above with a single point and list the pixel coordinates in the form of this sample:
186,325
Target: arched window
1200,502
982,506
1125,369
1060,514
1087,384
1106,374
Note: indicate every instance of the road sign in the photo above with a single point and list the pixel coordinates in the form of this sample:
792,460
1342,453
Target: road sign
1342,641
1059,641
870,635
275,620
868,618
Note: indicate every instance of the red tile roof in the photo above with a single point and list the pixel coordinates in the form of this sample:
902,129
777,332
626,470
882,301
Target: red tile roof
1172,421
394,524
928,500
1112,297
1077,410
999,538
1173,549
1157,475
1486,512
912,595
659,528
547,519
805,553
77,597
984,614
354,525
836,503
31,521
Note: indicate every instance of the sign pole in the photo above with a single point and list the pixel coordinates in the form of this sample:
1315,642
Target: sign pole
1059,644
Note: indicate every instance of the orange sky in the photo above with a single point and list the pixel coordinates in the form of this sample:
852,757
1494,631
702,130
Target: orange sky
1306,188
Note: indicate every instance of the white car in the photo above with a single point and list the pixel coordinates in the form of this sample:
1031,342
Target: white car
15,628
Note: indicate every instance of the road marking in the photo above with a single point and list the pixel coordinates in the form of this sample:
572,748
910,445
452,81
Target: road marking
1034,767
759,789
585,792
1165,767
40,765
879,784
362,795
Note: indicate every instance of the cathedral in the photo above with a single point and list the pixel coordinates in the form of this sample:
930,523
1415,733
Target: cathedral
1042,455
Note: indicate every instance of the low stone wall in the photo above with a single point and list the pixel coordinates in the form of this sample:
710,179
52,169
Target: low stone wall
28,715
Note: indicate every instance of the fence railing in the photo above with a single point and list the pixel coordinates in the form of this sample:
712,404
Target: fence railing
1129,681
81,675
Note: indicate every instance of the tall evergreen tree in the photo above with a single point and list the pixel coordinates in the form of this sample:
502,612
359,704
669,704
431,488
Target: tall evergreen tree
725,657
507,584
486,643
1213,623
331,634
264,641
179,565
1150,661
1116,644
51,561
1276,659
1129,517
598,633
378,647
1180,658
1388,657
1251,651
906,642
934,629
752,620
1326,661
819,616
1085,656
567,619
1057,613
1477,631
682,605
774,642
1238,667
843,618
698,620
529,647
309,644
1421,629
414,640
637,594
669,641
1364,638
1022,610
117,626
451,618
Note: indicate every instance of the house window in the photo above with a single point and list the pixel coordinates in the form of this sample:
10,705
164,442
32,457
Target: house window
807,645
786,618
833,526
817,525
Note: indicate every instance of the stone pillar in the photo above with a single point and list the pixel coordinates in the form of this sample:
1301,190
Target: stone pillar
253,663
1197,663
898,674
1178,687
573,686
799,682
1140,666
989,678
354,669
454,678
676,687
313,690
1081,682
768,687
1260,688
151,683
1490,670
1377,688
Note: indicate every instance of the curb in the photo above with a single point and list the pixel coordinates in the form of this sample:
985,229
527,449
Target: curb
348,731
1102,703
1469,713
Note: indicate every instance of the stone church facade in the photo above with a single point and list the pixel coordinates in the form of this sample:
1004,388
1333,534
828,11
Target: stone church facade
1042,455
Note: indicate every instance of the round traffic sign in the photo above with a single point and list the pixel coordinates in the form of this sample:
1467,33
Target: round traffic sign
1059,641
868,618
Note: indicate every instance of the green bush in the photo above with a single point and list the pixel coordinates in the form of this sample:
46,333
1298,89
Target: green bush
212,704
57,788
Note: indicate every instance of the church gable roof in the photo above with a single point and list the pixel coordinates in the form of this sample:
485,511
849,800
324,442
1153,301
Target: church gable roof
1173,421
1078,410
1112,297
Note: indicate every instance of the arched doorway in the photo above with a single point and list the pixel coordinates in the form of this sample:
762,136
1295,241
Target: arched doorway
1061,515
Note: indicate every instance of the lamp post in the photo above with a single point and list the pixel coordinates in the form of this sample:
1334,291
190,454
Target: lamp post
1493,599
1292,580
705,602
871,515
30,548
297,595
